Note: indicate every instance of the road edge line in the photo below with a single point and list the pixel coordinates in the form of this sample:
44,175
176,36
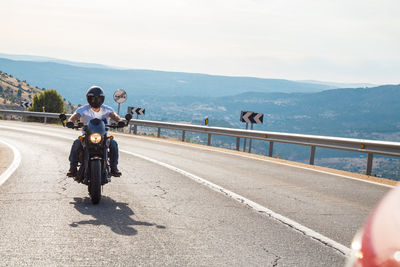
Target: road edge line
13,166
228,153
255,206
268,160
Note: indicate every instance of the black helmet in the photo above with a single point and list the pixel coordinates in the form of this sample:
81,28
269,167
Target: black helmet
95,96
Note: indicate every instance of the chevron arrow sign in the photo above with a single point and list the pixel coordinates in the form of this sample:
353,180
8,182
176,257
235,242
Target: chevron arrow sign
251,117
137,111
26,104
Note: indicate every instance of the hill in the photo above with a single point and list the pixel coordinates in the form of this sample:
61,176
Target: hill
70,79
13,91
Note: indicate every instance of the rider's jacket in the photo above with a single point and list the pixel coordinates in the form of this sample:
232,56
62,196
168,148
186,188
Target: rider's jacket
88,114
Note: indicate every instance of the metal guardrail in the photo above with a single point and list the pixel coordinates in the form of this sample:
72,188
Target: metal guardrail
370,147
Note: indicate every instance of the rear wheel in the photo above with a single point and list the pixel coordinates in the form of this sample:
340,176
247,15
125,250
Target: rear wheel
95,181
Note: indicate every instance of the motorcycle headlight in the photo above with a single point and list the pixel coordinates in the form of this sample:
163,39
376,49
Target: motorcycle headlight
95,138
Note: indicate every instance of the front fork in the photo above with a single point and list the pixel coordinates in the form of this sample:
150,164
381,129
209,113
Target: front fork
106,172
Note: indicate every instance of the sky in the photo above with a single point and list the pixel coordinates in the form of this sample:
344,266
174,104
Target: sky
335,40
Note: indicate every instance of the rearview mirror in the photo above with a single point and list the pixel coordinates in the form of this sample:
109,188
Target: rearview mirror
128,117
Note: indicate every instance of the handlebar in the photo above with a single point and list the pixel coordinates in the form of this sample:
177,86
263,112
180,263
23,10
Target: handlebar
115,126
112,126
80,125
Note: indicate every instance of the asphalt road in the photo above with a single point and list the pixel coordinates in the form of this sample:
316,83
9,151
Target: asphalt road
155,216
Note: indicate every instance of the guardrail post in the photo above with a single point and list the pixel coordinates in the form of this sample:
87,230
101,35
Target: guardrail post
369,163
158,132
209,140
312,155
237,143
251,140
245,139
183,135
135,129
250,144
271,149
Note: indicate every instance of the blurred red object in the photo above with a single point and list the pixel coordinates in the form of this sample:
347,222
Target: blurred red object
378,242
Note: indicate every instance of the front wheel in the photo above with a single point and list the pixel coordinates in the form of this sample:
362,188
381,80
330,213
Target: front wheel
95,181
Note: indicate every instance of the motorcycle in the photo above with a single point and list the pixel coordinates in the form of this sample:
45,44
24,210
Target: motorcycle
94,165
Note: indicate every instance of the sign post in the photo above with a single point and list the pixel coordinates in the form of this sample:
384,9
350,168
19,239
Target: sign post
120,97
250,117
245,140
137,111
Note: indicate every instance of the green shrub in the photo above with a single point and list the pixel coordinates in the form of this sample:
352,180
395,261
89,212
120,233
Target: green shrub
51,100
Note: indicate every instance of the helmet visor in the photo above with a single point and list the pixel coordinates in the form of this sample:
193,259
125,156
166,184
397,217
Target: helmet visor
95,101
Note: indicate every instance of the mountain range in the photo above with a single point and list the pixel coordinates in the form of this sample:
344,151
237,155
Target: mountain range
69,79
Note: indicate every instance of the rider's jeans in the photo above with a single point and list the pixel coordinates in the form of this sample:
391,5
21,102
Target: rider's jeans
77,146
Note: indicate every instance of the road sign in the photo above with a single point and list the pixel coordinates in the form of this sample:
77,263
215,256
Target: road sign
120,96
251,117
26,104
137,111
206,121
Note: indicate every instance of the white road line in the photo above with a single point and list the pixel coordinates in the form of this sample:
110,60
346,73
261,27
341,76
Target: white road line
268,160
14,165
235,154
295,225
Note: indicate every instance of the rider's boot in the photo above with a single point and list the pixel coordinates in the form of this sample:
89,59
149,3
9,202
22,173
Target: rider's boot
115,172
72,172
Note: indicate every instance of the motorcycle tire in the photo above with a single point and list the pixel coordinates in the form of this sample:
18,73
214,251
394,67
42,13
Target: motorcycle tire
95,181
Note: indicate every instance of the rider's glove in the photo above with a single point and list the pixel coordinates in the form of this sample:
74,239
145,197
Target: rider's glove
121,124
70,124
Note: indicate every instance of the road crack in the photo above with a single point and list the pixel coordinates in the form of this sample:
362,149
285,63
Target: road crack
277,258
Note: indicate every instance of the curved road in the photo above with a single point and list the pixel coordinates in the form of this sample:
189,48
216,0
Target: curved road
153,215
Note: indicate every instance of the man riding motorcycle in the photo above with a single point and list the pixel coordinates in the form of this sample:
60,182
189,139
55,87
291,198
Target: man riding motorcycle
94,109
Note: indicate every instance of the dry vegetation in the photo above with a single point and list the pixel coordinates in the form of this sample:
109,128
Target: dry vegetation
14,91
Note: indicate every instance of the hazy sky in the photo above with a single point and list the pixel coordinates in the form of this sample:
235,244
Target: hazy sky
336,40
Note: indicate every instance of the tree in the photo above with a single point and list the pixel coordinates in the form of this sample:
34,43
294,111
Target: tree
51,100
